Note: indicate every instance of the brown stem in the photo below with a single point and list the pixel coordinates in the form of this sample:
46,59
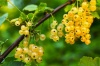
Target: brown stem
16,43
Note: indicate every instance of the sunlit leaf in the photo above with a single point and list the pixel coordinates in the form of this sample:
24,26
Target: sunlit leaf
41,7
96,15
3,18
67,8
31,7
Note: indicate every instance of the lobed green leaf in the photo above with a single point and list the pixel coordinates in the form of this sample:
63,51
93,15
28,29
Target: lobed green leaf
89,61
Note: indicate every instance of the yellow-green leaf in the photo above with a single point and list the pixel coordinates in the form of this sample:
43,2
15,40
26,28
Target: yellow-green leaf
31,7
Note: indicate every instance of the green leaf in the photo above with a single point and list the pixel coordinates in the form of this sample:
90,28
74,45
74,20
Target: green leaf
96,15
13,63
23,16
31,7
30,15
97,61
3,2
98,3
89,61
67,8
42,7
9,61
48,9
3,18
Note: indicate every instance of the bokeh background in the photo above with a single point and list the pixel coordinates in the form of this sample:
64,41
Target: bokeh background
55,53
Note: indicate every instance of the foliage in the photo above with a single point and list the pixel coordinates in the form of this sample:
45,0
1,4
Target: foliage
31,7
96,15
89,61
67,8
9,62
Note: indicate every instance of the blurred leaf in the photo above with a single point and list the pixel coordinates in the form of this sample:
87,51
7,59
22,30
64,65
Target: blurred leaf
67,8
89,61
3,2
30,15
3,18
10,62
96,15
97,61
86,61
41,7
31,7
98,3
23,16
13,63
48,9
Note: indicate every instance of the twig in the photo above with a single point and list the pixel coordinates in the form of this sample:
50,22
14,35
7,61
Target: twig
16,43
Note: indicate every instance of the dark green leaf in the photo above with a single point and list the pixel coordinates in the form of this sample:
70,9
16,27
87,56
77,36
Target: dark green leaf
3,18
31,7
13,63
10,62
3,2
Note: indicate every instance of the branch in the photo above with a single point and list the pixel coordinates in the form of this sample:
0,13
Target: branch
54,11
16,43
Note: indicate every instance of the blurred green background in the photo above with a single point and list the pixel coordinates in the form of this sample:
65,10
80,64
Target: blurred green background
55,53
